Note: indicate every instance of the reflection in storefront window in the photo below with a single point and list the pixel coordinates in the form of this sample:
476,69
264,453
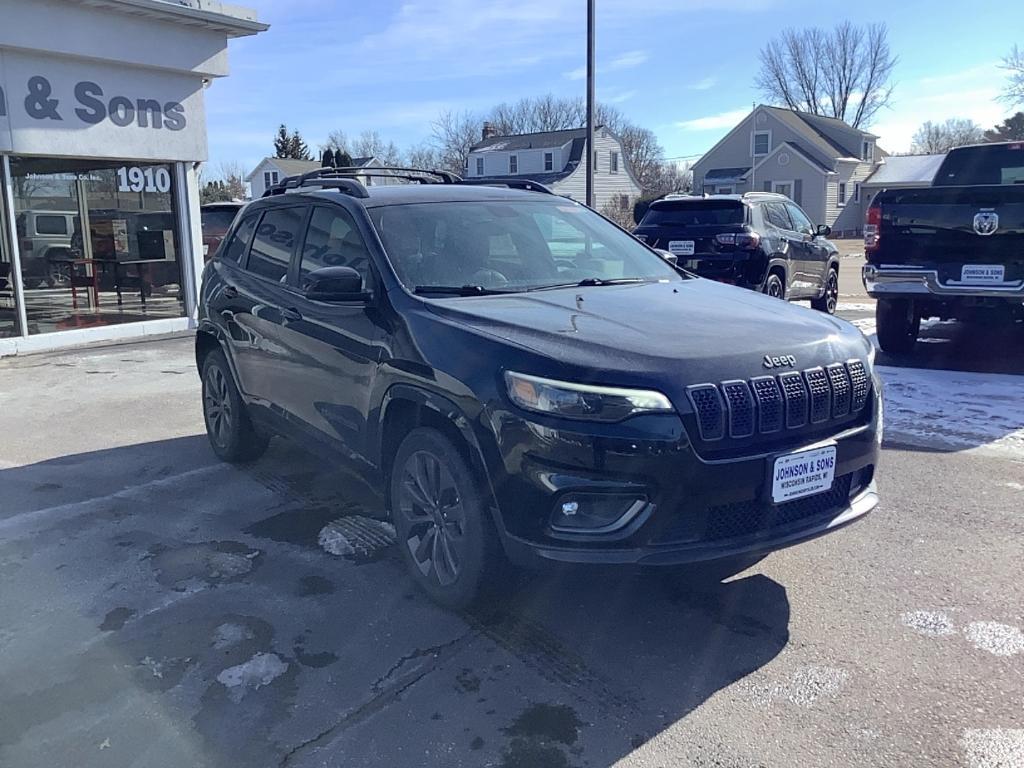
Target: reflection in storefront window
8,309
128,268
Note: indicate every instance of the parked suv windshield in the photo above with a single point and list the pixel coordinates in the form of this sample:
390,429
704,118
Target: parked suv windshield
510,246
695,213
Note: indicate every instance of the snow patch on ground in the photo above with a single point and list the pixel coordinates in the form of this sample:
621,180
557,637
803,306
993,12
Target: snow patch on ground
227,635
262,669
994,748
334,542
954,410
928,623
997,639
844,306
1015,486
806,685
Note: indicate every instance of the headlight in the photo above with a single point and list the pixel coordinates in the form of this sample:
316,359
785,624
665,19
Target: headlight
582,401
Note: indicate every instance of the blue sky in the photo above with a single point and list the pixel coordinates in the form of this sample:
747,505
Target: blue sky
683,68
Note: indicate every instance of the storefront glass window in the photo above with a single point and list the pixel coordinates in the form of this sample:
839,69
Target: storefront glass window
127,269
8,310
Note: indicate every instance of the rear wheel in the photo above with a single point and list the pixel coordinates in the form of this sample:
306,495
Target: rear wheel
898,325
228,426
830,299
774,287
440,513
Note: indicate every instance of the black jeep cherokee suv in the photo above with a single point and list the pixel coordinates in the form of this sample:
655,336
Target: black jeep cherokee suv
525,381
758,240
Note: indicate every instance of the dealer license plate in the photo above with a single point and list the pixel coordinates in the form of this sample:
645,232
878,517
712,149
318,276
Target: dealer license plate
681,247
982,274
803,474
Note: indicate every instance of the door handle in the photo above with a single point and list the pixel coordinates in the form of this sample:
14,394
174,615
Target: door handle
230,292
290,313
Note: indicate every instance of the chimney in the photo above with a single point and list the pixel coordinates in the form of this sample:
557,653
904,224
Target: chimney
489,131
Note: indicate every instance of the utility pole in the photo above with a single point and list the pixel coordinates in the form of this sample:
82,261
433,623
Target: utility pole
590,102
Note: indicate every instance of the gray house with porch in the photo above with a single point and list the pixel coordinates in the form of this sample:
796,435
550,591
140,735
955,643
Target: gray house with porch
819,162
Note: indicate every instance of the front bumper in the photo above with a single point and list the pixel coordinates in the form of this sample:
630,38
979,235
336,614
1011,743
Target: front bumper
882,281
688,509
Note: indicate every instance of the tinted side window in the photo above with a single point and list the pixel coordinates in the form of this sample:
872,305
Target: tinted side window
51,225
800,221
333,241
776,215
274,242
236,247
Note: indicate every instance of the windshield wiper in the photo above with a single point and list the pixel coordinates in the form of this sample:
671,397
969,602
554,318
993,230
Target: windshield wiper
460,290
588,281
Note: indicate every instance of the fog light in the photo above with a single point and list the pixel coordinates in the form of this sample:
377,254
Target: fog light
594,512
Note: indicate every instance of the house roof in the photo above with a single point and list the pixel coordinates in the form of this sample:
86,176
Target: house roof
541,140
550,177
906,170
291,167
715,175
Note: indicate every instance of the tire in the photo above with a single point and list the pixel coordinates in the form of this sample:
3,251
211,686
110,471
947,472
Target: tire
774,287
828,302
442,521
897,324
228,426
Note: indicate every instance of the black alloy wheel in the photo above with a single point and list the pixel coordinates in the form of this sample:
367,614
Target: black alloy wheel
830,300
773,287
231,432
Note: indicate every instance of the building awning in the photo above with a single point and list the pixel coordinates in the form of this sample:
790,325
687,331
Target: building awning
725,175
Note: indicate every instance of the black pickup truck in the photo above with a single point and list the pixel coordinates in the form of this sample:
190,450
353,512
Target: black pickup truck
954,250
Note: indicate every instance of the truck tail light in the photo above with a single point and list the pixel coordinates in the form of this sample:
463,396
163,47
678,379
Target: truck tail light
872,229
748,241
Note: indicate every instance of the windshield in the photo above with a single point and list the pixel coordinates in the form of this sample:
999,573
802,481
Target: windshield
694,213
507,246
997,164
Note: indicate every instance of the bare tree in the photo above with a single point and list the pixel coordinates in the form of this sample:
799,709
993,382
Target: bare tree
232,174
422,156
936,138
370,144
336,141
454,134
1013,63
845,72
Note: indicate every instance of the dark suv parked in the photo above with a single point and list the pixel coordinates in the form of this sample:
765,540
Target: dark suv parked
526,381
758,240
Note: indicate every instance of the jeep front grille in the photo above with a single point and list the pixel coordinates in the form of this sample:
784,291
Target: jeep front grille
790,400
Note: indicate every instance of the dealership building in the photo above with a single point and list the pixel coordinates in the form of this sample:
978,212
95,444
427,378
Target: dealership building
102,130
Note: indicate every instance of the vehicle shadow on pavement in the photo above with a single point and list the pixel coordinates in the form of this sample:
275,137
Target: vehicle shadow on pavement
968,347
165,609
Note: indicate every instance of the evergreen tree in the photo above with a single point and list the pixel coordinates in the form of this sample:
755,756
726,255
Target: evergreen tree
298,148
282,142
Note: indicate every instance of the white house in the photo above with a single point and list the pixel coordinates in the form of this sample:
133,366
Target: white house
819,162
557,160
271,170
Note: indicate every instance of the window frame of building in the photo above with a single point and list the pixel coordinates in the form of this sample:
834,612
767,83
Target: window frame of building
613,162
479,166
549,161
753,143
597,162
856,191
513,164
841,194
867,150
725,189
777,184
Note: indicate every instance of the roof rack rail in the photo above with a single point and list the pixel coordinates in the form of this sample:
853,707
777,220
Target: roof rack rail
396,171
510,183
321,177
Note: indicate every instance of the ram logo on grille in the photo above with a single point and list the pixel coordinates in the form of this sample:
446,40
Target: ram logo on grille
790,400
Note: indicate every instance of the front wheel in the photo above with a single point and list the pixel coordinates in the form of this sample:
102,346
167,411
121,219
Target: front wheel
830,299
898,325
440,514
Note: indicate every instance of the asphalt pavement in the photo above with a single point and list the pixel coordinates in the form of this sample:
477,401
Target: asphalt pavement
162,609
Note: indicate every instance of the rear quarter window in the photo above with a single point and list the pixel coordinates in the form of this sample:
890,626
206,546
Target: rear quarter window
236,248
51,225
696,213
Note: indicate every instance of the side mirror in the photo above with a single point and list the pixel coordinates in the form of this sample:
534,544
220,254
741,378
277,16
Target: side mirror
671,258
334,284
824,230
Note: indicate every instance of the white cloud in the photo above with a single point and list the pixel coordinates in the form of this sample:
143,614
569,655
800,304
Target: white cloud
704,85
970,93
617,97
627,60
726,120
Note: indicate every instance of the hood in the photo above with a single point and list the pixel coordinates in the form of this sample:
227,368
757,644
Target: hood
692,330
